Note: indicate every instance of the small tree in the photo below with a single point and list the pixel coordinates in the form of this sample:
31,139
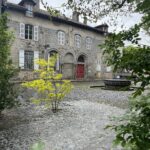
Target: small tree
50,86
7,71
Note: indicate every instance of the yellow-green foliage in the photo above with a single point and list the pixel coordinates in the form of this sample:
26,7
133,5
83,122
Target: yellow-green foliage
50,85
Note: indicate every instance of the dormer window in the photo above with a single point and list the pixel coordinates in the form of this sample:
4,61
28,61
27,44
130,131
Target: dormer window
29,11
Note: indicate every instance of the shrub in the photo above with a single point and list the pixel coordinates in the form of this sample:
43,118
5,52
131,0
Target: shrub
7,71
50,85
133,131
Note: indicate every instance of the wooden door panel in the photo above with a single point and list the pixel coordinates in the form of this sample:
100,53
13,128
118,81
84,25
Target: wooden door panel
80,71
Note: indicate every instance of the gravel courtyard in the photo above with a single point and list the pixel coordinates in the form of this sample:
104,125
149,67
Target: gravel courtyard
79,125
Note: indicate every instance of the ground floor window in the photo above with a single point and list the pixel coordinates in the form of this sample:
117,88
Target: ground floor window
29,60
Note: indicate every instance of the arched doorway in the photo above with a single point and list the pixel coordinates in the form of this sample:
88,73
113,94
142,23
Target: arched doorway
68,66
57,65
80,69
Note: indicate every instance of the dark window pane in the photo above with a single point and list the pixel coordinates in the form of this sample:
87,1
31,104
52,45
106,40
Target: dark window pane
28,31
28,61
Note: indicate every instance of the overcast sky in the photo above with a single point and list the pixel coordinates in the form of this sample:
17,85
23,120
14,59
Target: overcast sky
121,21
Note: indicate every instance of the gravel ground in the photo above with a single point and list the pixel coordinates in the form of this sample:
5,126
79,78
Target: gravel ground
79,125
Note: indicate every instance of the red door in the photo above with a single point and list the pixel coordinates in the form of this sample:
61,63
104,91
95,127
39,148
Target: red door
80,71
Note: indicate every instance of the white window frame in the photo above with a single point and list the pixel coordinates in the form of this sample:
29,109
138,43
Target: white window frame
88,43
61,37
28,31
78,40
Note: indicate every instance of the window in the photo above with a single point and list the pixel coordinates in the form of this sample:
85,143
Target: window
88,43
61,38
28,60
77,41
28,31
29,11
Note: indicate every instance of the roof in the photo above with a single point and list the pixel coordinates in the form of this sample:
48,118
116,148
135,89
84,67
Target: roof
45,15
23,1
102,25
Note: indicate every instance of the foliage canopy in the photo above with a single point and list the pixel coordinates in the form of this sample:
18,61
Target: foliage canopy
7,71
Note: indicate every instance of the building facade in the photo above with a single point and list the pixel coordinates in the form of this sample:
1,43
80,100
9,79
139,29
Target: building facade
39,35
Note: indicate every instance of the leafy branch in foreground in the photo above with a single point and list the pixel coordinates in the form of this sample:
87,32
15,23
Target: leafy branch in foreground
50,85
8,94
133,130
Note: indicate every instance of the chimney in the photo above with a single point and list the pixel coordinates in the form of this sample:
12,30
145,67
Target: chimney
85,19
37,6
75,16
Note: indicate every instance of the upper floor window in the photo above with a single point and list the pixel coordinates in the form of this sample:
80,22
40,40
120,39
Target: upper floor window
61,38
77,41
29,11
28,31
88,43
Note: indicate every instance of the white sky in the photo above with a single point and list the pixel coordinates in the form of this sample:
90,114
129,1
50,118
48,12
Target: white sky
122,21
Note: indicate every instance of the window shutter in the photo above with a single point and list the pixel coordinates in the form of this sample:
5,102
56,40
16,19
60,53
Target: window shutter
36,56
36,33
22,30
21,59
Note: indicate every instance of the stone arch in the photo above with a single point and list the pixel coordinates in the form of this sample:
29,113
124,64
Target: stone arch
68,66
82,55
69,58
52,52
57,65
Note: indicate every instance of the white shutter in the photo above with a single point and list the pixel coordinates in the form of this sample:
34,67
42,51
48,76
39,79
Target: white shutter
108,69
36,56
22,30
36,32
21,59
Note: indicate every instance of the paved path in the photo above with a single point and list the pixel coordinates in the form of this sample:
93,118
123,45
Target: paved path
79,125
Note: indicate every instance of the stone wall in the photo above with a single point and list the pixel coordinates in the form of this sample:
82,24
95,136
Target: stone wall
48,41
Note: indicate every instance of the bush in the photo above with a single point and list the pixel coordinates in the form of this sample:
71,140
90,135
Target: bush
50,85
133,131
7,71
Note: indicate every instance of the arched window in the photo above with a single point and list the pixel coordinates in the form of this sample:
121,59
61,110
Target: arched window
57,65
77,40
88,43
61,38
81,59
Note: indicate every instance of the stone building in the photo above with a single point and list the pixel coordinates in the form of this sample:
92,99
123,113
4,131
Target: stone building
37,35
